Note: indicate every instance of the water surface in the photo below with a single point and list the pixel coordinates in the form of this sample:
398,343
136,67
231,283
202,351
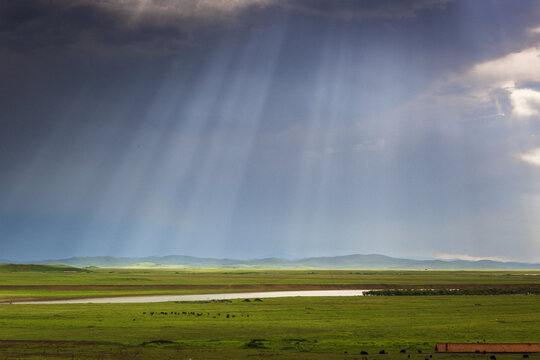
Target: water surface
202,297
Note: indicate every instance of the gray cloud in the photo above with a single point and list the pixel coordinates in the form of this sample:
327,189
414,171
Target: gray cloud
363,9
151,27
157,27
341,126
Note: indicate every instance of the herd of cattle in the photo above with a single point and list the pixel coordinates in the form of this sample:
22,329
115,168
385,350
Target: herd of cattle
152,313
218,315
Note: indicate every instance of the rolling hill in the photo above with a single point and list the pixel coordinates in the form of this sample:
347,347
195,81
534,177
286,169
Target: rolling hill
356,261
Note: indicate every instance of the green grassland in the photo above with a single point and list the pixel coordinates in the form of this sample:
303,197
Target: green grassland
280,328
52,282
311,328
37,268
53,275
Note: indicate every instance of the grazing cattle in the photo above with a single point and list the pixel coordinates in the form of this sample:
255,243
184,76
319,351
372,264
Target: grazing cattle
402,351
493,357
247,300
257,300
227,316
152,313
144,313
382,352
525,356
363,352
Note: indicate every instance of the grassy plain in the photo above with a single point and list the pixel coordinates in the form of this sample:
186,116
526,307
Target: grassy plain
283,328
53,283
299,328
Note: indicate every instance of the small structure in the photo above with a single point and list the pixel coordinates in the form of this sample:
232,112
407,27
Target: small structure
488,348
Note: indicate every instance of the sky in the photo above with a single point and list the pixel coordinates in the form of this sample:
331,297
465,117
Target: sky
255,128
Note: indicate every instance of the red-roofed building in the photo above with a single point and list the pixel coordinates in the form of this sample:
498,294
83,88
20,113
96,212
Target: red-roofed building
490,348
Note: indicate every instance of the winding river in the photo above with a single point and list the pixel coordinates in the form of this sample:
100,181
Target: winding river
202,297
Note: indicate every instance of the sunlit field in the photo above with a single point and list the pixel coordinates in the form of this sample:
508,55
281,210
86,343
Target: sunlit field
302,328
282,328
53,282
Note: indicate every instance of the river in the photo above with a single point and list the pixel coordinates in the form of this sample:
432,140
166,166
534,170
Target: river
202,297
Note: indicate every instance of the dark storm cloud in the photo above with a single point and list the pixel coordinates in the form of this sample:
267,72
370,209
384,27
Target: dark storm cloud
157,27
90,27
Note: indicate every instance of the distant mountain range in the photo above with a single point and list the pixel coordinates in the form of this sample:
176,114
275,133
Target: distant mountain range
357,261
